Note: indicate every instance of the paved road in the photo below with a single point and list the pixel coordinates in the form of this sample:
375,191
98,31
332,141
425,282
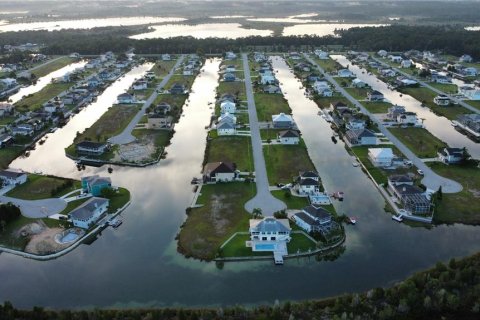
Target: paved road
431,179
37,208
263,199
460,102
126,135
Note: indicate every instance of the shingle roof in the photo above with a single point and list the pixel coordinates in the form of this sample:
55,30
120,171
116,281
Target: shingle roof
400,178
317,212
288,134
269,224
85,210
219,167
90,145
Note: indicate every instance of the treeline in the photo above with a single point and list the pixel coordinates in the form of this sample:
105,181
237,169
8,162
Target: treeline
447,291
8,213
452,39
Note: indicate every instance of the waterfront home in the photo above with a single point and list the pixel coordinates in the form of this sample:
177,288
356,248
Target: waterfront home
226,128
338,106
465,58
469,72
157,121
450,155
268,230
354,123
312,77
471,93
177,88
104,75
441,100
430,57
95,184
412,198
272,89
90,148
230,68
407,118
259,57
322,55
8,83
357,83
282,120
388,72
361,137
5,140
166,57
125,98
313,219
227,97
288,137
308,182
219,172
23,129
229,77
5,109
162,108
406,63
322,88
229,55
470,121
87,214
395,58
375,95
267,79
13,177
345,73
406,82
228,107
294,55
441,78
93,82
398,179
382,53
227,117
140,85
394,111
381,157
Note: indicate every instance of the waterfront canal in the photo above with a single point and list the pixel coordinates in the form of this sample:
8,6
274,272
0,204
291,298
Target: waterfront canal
137,264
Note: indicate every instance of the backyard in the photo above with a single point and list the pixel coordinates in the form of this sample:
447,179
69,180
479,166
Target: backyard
270,104
42,187
376,107
419,140
231,149
35,101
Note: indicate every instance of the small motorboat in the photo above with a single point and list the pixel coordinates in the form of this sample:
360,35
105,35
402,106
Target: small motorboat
115,223
334,139
398,218
338,195
110,169
355,164
351,220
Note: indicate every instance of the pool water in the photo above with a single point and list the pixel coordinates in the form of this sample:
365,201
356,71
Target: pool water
265,247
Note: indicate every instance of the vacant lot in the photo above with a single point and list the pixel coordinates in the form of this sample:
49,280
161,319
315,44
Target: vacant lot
376,107
291,201
358,93
187,81
474,103
285,162
231,149
162,68
52,66
35,101
223,214
328,65
420,141
324,102
42,187
445,87
236,88
270,104
9,154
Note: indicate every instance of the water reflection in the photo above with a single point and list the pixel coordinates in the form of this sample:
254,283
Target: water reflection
438,126
44,81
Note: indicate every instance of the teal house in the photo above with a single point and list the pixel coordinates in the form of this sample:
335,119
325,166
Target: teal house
95,184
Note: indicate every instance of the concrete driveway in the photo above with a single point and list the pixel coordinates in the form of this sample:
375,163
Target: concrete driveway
37,208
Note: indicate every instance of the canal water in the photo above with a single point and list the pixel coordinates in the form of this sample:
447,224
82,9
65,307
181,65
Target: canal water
137,264
45,80
438,126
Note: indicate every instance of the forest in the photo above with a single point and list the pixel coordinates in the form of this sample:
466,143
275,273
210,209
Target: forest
446,291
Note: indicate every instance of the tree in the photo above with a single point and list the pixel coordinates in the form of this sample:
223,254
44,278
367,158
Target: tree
439,193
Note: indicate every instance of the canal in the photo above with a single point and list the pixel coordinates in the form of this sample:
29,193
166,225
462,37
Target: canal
137,264
439,126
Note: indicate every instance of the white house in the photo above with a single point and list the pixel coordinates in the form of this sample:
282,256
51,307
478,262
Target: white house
388,73
322,88
357,83
407,63
166,57
395,59
227,117
267,79
90,148
313,219
282,120
355,124
13,176
382,53
407,118
268,230
219,171
288,137
308,182
228,107
230,55
226,128
5,108
125,98
441,100
465,58
322,55
345,73
140,85
381,157
85,215
469,72
450,155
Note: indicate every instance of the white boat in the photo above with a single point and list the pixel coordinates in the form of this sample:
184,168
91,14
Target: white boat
454,123
352,220
355,164
398,218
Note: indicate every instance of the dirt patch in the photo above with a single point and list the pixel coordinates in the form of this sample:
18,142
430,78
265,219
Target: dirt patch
141,150
219,209
44,242
475,192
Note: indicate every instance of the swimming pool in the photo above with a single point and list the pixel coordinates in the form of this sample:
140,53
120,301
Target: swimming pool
264,247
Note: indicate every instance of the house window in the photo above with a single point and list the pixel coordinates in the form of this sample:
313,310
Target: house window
264,238
273,238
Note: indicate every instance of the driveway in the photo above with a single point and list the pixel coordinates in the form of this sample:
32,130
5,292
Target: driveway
431,180
263,199
126,135
37,208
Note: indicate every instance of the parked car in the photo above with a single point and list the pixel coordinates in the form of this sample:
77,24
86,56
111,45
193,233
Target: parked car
420,172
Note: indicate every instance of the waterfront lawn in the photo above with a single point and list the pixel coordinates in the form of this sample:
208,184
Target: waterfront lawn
376,107
221,215
300,243
237,88
358,93
72,205
445,87
35,101
231,149
160,139
110,124
292,202
236,248
461,207
162,68
8,154
419,140
7,120
42,187
187,81
269,134
329,65
284,162
270,104
324,102
52,66
176,101
426,96
118,199
474,103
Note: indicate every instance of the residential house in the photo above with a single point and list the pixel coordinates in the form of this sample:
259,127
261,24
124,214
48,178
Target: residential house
357,83
288,137
407,118
314,219
166,57
5,109
259,57
140,85
226,128
375,95
89,212
412,198
430,57
104,75
406,63
268,230
381,157
23,129
406,82
338,106
90,148
219,172
471,93
355,123
345,73
230,55
229,77
398,179
388,72
469,72
440,78
441,100
382,53
295,55
95,184
230,68
267,79
163,108
470,121
228,107
126,98
273,89
322,88
465,58
13,177
394,111
227,117
395,58
450,155
93,82
177,88
361,137
322,55
227,97
9,83
5,140
158,121
308,182
282,120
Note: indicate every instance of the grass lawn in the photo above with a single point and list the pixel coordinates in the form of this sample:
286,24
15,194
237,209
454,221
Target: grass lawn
236,248
121,197
285,162
9,154
35,101
270,104
223,214
162,68
52,66
236,88
6,120
300,243
358,93
474,103
445,87
291,201
231,149
270,133
419,140
324,102
187,81
176,101
328,65
110,123
376,107
72,205
42,187
426,96
463,206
